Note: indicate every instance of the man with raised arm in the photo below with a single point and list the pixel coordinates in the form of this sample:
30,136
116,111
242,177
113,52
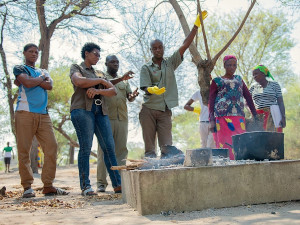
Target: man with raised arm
157,80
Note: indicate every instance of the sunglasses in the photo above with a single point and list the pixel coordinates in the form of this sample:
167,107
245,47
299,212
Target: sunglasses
96,54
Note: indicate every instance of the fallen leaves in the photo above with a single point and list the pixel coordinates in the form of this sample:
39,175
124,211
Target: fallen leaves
50,203
109,197
11,194
43,204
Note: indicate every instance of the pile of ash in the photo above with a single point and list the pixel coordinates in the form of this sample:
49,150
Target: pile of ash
170,157
174,158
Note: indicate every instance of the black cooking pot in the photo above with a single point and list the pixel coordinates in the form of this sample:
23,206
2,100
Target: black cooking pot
258,145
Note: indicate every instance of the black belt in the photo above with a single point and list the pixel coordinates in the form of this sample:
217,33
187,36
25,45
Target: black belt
204,121
98,101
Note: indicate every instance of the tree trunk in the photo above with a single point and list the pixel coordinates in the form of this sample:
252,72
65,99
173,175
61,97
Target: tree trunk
34,155
71,154
10,97
8,82
45,48
204,73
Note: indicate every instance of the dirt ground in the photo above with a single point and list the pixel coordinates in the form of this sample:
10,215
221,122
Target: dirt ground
108,208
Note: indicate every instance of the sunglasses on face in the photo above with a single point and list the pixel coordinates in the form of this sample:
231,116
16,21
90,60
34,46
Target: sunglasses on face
96,54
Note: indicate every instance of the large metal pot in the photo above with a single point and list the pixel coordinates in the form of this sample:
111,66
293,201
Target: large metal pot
258,145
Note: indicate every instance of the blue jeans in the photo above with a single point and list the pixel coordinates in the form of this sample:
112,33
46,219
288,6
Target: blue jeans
88,123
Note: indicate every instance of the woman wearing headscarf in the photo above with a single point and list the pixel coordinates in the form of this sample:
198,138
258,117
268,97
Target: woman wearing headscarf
268,100
226,105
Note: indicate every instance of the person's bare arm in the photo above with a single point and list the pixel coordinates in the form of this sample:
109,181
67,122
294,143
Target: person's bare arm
47,84
126,76
188,40
109,90
212,96
188,105
131,96
28,81
17,83
80,81
282,110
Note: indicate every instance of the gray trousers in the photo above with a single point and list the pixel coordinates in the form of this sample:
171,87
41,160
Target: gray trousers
120,133
155,122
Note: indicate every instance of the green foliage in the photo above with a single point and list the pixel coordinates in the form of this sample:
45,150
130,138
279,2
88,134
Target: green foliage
62,89
185,131
59,106
292,130
63,149
4,120
59,100
135,151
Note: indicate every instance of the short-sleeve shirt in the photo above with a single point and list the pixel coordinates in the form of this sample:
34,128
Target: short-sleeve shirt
265,97
79,98
204,114
33,99
7,152
117,107
151,75
230,98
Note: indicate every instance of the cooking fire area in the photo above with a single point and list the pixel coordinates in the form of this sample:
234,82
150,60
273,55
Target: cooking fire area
206,178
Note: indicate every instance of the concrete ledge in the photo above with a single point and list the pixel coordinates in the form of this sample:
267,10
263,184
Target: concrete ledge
189,189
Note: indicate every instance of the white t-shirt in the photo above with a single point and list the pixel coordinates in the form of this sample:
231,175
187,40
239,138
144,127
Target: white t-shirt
204,114
7,154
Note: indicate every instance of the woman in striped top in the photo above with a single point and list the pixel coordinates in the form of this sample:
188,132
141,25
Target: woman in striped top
268,100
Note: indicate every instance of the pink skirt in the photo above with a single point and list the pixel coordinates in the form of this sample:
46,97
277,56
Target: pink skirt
228,126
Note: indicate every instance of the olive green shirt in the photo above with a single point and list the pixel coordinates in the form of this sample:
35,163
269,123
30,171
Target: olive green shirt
117,107
79,98
151,75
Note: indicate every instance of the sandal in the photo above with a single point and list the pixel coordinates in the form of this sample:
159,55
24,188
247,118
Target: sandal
88,192
28,193
54,191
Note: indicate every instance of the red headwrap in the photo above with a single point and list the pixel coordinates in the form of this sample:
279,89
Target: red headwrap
227,57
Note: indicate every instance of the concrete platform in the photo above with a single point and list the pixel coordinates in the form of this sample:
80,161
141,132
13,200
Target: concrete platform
189,189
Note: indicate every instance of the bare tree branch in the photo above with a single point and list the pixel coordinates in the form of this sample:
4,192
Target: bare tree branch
203,30
5,3
8,82
193,49
144,29
236,33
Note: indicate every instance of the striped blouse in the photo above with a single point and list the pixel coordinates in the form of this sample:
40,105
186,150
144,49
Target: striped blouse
265,97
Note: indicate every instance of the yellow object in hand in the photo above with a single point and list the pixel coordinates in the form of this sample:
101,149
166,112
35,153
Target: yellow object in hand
155,90
204,15
197,110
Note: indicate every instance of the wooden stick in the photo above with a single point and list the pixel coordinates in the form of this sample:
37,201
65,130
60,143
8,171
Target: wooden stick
118,167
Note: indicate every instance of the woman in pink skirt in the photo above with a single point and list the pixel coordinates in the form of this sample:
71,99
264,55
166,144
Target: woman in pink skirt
226,105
